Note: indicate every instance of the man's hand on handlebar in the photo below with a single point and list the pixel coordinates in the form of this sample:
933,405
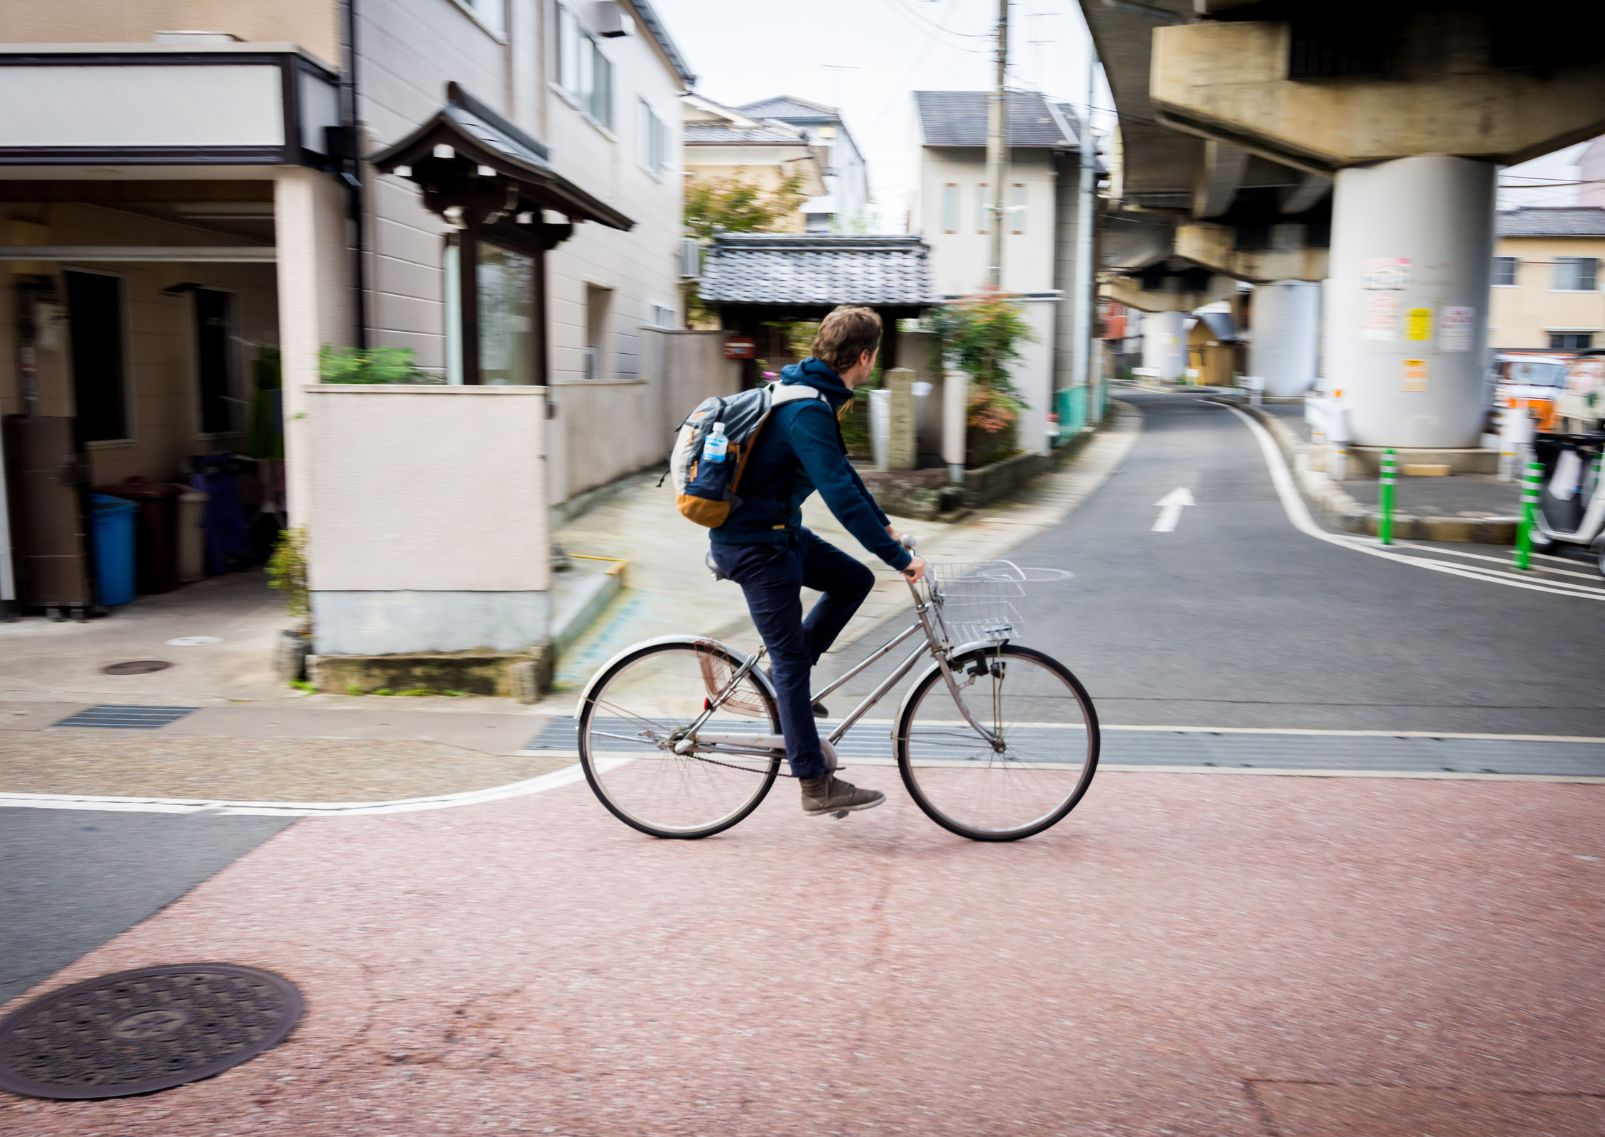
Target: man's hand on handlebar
915,572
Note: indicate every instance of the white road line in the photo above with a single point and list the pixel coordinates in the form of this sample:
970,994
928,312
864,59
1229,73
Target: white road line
1298,513
1505,561
224,808
1416,775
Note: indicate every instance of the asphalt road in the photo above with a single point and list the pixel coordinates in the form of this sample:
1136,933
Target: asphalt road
1237,619
73,879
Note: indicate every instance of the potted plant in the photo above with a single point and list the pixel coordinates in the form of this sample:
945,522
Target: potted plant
287,572
982,335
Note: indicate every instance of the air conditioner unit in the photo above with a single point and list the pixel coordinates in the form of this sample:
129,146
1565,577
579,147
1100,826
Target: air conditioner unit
610,21
690,258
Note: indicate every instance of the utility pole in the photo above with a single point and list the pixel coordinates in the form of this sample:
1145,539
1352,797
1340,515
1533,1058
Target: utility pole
1083,294
997,149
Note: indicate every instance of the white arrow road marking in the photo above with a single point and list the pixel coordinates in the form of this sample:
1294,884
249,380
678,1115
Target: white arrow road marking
1170,507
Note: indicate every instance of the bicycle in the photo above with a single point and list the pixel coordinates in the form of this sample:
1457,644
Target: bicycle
672,738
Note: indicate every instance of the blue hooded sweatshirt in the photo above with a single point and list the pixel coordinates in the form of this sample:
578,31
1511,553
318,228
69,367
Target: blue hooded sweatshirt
798,451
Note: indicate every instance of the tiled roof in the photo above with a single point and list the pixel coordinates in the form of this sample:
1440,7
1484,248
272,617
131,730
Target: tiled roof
792,108
1553,221
818,269
703,133
958,118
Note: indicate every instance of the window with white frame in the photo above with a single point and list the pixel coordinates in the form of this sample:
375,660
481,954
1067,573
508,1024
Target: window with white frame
582,70
983,208
1505,272
654,140
491,13
1575,274
1017,208
663,316
950,207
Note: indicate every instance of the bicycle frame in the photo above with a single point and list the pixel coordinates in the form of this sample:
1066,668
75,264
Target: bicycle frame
690,738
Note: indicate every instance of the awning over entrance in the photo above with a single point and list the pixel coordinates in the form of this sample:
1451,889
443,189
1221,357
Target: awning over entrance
493,183
475,166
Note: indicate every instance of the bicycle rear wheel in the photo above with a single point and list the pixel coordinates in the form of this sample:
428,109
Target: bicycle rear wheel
1036,773
628,740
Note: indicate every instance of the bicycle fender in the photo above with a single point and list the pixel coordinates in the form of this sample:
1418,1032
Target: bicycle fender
757,676
930,669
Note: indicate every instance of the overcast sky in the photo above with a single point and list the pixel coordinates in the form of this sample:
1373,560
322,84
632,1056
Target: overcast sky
866,56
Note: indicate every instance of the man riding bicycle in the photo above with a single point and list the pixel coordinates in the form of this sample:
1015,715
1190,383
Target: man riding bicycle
764,547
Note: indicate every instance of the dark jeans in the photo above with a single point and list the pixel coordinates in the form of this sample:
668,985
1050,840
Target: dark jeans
772,577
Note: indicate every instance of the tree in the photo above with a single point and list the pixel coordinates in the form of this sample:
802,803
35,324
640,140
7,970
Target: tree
736,206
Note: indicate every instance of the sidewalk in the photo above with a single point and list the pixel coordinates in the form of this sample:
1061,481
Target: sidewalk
669,590
1460,509
217,726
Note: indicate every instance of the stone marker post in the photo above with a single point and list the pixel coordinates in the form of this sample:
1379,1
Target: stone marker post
901,452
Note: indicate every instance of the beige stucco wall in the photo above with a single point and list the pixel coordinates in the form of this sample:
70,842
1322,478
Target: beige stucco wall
406,478
615,428
959,259
1523,315
160,382
312,24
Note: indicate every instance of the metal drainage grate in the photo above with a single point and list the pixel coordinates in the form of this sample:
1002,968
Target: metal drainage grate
120,716
136,667
136,1032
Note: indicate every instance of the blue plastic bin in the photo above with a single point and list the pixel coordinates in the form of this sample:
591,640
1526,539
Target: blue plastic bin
114,550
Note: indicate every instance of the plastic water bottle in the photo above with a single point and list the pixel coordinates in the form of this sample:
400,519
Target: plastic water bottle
717,445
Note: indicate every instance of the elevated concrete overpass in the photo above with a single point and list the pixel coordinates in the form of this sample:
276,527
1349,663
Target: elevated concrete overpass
1284,141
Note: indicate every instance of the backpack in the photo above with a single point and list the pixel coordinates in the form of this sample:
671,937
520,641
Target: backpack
705,492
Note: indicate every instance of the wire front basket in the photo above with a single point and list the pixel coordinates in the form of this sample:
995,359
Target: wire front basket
976,600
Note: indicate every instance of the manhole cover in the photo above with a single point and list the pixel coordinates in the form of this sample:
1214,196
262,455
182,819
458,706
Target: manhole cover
194,641
136,1032
136,667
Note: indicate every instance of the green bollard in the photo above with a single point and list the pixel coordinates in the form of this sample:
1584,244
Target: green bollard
1531,487
1389,473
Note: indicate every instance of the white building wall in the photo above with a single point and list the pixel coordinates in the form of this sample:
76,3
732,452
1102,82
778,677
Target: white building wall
410,50
959,258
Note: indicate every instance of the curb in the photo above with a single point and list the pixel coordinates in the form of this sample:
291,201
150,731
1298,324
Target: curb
1349,514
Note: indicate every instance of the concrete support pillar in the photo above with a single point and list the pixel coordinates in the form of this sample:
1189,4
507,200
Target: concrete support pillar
1412,249
1282,350
314,281
1164,346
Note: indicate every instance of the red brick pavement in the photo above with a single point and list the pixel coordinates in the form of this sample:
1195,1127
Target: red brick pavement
1188,954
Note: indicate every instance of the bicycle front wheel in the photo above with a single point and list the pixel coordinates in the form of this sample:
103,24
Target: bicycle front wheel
1040,765
636,758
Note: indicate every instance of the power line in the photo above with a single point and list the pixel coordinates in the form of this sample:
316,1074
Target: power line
914,13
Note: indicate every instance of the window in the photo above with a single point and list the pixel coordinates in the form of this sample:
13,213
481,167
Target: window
505,304
663,317
950,208
491,13
983,210
1505,272
214,357
1571,341
95,315
654,140
582,70
1575,274
1017,208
